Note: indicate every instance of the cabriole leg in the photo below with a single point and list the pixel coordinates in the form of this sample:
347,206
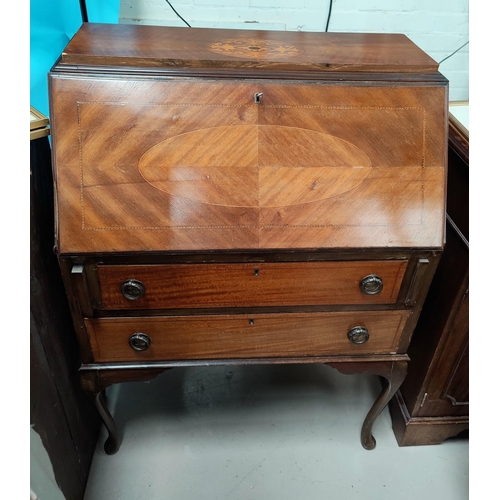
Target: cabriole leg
94,382
112,444
394,373
393,381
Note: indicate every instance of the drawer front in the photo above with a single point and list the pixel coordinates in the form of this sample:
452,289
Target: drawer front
244,336
248,285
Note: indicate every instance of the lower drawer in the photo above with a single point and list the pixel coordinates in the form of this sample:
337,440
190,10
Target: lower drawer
244,336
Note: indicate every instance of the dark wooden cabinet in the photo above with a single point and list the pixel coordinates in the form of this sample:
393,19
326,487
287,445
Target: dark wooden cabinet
61,413
433,402
246,197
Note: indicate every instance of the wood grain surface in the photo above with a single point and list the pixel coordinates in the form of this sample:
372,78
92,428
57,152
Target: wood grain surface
250,180
146,165
245,336
160,46
250,285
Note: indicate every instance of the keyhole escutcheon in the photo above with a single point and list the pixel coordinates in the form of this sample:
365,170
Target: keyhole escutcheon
257,97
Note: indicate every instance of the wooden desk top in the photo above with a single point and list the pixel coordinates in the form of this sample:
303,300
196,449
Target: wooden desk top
159,46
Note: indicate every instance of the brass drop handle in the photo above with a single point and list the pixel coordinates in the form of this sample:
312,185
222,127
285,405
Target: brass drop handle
371,284
358,335
133,289
139,341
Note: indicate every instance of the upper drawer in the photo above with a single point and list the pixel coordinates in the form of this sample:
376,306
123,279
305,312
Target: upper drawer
250,285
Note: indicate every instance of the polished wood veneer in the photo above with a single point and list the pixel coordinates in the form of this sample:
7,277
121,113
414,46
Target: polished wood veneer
310,166
245,284
230,196
145,46
245,336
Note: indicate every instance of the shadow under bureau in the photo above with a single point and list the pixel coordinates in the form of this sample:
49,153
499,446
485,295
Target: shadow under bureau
246,197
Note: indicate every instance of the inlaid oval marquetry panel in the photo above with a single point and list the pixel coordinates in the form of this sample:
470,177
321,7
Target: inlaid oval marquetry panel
254,166
253,48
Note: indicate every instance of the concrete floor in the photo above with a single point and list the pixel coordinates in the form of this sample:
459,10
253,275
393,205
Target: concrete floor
265,432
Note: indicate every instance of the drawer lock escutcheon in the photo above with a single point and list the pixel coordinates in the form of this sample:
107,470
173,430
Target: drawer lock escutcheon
358,335
371,284
139,341
133,289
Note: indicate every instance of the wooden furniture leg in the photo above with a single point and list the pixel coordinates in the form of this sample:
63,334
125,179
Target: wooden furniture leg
112,444
394,373
94,383
392,383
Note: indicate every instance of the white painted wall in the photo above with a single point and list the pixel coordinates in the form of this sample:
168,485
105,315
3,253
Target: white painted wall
438,27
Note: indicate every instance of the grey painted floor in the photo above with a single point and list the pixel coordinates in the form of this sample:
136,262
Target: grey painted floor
265,432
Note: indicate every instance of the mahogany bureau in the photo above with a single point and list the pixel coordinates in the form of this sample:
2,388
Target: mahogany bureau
246,197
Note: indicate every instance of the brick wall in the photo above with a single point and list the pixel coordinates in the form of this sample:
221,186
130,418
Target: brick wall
437,26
